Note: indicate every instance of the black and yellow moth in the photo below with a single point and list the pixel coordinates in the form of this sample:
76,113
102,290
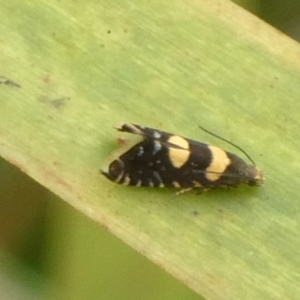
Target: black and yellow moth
162,159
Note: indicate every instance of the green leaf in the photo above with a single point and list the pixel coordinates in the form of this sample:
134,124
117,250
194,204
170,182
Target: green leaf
83,68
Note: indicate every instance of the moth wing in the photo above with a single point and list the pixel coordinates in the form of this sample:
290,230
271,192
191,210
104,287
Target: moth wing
157,164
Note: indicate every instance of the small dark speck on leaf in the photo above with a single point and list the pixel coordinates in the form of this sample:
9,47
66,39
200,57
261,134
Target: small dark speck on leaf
108,31
195,212
56,103
46,79
7,81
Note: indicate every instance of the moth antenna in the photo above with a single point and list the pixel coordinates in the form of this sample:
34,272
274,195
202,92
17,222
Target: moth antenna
232,144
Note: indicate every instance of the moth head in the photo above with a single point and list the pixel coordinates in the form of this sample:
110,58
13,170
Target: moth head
253,176
240,172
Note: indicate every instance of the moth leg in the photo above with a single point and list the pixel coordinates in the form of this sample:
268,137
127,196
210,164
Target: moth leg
184,191
199,190
202,190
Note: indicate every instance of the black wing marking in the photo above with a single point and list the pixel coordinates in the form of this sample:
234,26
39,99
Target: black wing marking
148,164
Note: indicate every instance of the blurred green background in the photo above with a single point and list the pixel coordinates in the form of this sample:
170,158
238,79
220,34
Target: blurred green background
48,250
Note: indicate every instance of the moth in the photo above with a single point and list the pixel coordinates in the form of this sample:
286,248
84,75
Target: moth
163,159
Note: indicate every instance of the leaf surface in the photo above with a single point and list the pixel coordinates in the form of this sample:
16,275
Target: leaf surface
71,72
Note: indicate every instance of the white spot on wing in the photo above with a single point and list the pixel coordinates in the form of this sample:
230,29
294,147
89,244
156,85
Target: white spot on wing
126,180
141,151
157,147
150,183
176,184
157,176
156,135
197,184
